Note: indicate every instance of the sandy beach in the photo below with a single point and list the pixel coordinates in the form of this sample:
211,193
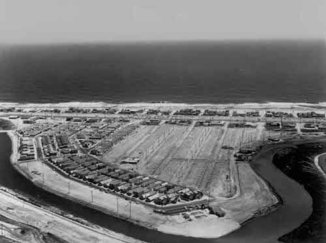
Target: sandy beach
268,105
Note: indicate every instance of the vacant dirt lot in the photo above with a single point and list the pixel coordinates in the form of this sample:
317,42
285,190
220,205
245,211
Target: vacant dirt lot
199,157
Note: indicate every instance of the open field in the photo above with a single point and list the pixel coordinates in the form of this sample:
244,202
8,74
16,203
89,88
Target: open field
196,156
223,178
162,150
254,193
188,164
131,146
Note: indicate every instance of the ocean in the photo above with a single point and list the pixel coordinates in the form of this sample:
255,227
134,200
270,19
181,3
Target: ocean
187,72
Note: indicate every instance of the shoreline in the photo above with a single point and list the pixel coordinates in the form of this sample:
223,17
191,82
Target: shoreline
316,161
267,210
248,105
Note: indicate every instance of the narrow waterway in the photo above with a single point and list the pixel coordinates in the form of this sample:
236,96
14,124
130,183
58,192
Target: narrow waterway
296,208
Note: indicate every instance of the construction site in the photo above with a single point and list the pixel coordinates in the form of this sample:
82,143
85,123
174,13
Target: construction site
163,156
185,165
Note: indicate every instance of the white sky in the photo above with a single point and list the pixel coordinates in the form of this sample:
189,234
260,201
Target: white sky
44,21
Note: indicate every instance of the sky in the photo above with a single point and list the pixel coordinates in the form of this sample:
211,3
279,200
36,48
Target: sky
61,21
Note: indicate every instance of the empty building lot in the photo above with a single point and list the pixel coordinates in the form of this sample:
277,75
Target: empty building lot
200,157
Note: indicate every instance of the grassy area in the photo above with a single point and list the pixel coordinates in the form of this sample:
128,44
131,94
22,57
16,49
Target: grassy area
6,124
297,163
322,162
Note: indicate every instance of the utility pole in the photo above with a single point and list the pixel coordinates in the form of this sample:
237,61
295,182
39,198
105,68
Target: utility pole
242,137
117,206
43,171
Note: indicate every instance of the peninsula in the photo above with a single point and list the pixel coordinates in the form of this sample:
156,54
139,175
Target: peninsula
176,168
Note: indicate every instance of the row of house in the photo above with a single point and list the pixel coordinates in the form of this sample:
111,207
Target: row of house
95,111
216,113
153,122
26,149
209,123
62,141
128,183
187,112
157,112
182,122
130,112
119,134
311,115
49,145
278,114
278,126
35,129
314,127
246,114
242,125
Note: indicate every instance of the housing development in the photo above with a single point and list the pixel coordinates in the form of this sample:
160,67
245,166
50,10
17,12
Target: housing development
167,167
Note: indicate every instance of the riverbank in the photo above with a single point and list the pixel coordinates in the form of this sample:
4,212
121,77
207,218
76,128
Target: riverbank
295,209
320,163
14,231
20,210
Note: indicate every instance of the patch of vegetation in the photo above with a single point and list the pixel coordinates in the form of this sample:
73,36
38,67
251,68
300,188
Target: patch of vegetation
297,163
6,125
322,163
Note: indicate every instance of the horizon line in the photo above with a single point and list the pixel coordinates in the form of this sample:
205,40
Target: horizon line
168,41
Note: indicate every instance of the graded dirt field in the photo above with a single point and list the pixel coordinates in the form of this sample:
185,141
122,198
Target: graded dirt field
254,193
129,147
195,156
190,162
